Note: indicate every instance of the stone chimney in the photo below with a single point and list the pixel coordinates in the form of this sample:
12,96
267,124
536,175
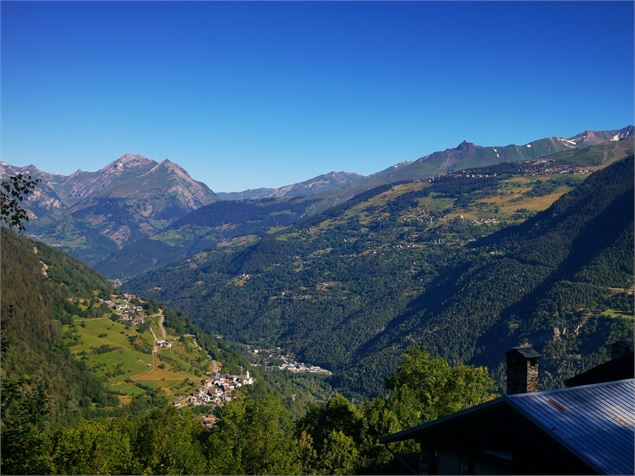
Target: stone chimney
522,370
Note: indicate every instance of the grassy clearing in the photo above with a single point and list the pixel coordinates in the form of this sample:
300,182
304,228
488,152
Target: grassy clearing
509,201
165,374
288,236
124,399
98,332
105,347
128,390
175,237
617,314
238,242
609,313
277,229
434,202
621,290
534,204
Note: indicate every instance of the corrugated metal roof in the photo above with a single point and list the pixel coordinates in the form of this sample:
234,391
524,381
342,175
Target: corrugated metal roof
595,422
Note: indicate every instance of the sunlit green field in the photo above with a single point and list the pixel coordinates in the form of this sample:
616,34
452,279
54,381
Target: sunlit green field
106,347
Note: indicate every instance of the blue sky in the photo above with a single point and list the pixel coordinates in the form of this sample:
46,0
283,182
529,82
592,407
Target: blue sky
264,94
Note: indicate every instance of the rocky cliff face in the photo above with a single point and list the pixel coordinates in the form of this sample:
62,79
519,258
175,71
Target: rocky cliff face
130,198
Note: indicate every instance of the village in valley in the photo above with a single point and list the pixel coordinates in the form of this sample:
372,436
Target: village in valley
275,358
215,390
128,307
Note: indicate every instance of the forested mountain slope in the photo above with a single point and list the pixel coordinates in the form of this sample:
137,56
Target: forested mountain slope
216,223
36,284
60,340
75,347
59,372
562,280
399,264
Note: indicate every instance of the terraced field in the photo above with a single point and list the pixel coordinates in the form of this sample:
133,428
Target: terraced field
123,355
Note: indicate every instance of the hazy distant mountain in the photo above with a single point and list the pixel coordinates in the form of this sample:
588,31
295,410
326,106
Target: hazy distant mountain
134,176
94,214
45,197
249,194
469,155
321,184
91,214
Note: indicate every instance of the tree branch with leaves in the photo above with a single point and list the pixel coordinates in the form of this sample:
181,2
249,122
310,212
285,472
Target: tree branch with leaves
13,191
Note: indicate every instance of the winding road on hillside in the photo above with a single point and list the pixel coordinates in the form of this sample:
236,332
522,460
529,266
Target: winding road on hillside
155,349
198,346
155,363
161,320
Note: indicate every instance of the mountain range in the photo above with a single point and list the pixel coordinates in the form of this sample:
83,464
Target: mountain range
464,264
462,251
322,184
468,154
104,216
92,214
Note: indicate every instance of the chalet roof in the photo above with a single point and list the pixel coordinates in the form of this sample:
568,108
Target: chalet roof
617,369
594,422
526,351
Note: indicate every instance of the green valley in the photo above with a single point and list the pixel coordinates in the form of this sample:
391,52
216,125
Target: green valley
95,351
317,238
424,262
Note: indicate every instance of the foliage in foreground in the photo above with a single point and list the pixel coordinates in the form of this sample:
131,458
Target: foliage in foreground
13,191
252,436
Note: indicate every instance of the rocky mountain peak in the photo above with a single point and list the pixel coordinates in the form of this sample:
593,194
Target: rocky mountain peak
167,166
465,145
340,177
627,131
173,167
588,134
130,161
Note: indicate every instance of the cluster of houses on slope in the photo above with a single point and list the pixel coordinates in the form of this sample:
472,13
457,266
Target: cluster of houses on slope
296,367
215,390
276,359
533,168
547,167
123,306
